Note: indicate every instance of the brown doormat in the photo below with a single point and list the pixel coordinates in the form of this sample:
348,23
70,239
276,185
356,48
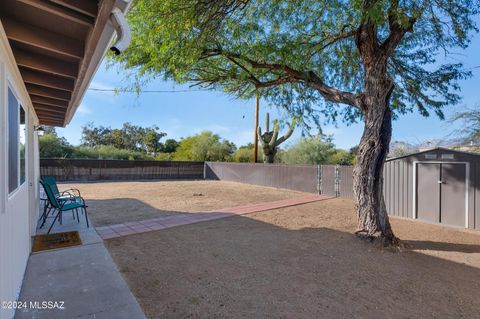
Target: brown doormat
54,241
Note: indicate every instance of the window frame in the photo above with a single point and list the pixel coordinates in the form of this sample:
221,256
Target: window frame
11,87
25,143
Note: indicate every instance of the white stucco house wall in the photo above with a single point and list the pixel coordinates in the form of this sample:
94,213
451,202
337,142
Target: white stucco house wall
49,52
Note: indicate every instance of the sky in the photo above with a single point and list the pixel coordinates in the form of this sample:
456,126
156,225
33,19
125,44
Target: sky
182,114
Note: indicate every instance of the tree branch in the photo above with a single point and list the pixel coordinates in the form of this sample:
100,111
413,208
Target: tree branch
397,32
291,75
366,36
328,41
250,74
338,37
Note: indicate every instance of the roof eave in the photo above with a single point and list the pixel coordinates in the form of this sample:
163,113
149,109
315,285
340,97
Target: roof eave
99,43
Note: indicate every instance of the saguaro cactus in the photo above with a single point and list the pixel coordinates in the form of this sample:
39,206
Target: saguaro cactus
270,141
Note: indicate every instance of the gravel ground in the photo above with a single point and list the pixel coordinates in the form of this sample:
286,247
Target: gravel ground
118,202
300,262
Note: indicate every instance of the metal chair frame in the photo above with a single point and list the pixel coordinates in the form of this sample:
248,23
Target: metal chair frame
71,202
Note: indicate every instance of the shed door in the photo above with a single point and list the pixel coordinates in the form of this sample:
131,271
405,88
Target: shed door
441,193
428,192
453,192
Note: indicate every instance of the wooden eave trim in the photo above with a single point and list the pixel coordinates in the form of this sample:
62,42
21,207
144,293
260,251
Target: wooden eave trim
42,39
83,6
48,101
10,58
47,79
48,92
46,64
49,108
91,46
61,11
49,115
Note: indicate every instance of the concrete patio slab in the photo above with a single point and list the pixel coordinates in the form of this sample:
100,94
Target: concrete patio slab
87,235
83,279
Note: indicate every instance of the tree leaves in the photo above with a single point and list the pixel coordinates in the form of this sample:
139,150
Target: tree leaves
204,146
173,39
129,137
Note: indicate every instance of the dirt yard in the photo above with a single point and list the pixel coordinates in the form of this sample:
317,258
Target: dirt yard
119,202
300,262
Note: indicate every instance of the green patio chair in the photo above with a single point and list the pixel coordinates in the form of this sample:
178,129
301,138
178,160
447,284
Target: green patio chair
65,195
69,195
61,206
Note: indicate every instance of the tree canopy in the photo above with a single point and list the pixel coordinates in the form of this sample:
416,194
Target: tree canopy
170,146
317,150
303,54
204,146
368,59
129,137
52,146
244,154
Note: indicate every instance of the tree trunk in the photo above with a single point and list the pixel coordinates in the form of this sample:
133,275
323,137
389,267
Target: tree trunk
373,220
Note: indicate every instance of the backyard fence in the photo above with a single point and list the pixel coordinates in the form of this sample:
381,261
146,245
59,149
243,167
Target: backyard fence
296,177
333,180
92,170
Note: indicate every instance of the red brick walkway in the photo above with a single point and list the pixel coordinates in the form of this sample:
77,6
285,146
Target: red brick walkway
119,230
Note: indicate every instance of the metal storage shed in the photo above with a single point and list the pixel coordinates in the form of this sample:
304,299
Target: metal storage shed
437,186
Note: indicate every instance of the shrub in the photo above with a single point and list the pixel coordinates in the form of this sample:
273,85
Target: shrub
205,146
52,146
309,150
342,157
164,157
107,152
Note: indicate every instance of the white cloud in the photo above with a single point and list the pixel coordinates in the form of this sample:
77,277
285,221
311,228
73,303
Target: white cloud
241,138
246,136
217,129
101,89
331,130
174,120
83,109
101,85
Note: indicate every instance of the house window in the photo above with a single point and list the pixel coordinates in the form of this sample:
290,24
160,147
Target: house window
16,143
22,145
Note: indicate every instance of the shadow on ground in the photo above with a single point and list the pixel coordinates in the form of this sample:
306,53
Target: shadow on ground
441,246
297,262
122,210
117,202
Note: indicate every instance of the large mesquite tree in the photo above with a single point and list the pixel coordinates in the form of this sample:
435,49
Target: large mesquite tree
347,59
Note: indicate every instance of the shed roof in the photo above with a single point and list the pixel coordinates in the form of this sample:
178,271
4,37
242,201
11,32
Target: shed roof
433,149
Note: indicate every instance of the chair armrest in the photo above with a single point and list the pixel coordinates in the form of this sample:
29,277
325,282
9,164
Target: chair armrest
81,199
67,194
70,191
